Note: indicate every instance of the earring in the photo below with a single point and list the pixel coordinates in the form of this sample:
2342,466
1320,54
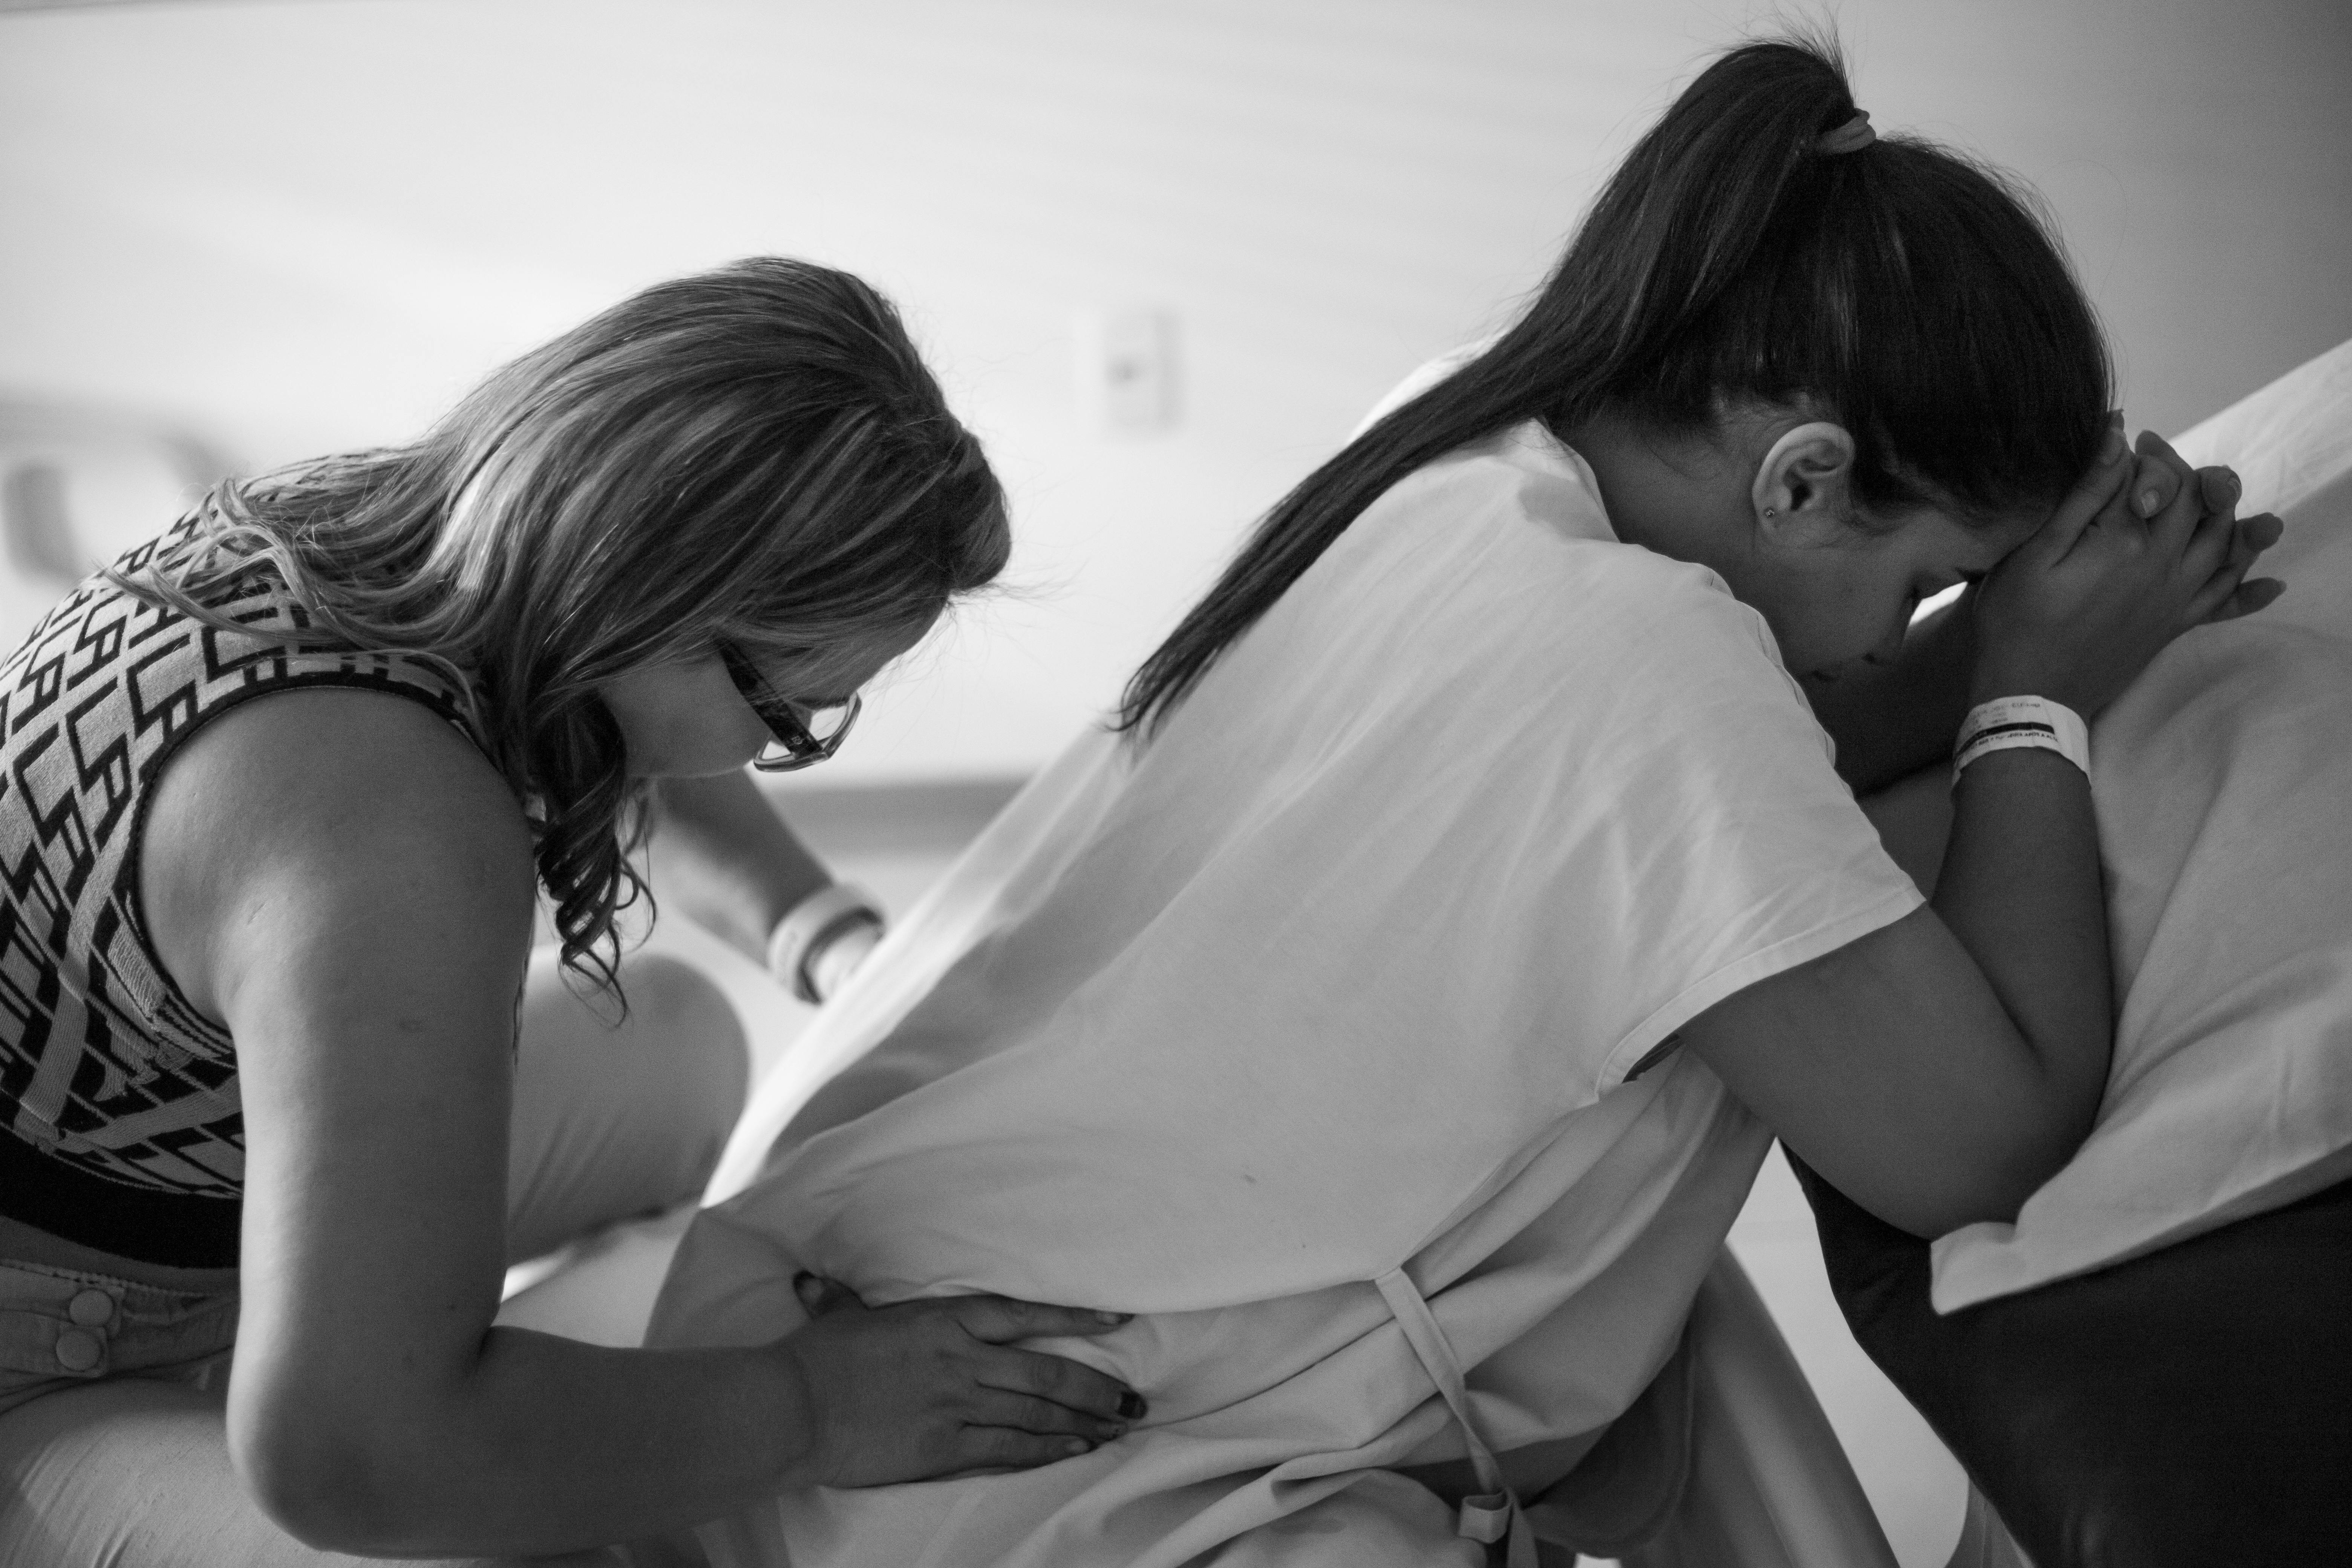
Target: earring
1771,512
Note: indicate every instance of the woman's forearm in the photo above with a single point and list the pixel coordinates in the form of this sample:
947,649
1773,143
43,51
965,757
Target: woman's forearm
721,854
549,1444
2020,887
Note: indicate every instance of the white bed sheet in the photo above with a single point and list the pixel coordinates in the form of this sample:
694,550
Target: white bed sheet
2223,779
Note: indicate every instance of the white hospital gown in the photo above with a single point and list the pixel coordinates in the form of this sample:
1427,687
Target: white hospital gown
1324,1005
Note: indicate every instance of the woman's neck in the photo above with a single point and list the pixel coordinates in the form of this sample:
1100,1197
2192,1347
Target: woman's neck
1683,495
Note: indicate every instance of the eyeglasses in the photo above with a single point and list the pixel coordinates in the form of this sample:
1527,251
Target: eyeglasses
800,742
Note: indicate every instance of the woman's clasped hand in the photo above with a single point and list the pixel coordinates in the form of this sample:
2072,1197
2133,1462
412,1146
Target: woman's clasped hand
2141,552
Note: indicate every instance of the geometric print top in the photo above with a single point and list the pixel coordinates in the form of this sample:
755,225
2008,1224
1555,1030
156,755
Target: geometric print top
123,1126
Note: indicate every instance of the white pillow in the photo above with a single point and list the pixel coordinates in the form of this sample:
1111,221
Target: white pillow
2223,779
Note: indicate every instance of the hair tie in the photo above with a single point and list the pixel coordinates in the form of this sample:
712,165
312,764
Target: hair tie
1851,137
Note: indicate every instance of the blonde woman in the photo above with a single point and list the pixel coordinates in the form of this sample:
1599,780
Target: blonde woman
280,1073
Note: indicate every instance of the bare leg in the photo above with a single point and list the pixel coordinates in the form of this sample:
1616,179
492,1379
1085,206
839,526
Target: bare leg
613,1116
134,1473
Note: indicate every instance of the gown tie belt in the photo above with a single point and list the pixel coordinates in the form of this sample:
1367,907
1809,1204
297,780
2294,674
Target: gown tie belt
1494,1514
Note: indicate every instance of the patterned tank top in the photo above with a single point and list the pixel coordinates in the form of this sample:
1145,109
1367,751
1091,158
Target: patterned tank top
124,1131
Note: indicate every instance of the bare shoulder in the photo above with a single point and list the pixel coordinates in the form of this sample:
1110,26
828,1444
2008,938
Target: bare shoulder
360,798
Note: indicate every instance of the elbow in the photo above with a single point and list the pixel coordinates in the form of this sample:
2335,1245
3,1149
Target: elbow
1988,1190
1983,1204
2025,1163
2005,1193
2013,1155
326,1479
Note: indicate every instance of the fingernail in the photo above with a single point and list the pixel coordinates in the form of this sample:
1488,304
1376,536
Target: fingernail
2113,452
1077,1446
1113,1317
2149,500
1112,1431
1131,1405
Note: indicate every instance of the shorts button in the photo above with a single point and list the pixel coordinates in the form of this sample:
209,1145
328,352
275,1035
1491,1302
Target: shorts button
91,1308
78,1349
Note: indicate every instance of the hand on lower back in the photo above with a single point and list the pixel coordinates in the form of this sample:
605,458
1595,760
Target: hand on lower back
933,1388
2141,552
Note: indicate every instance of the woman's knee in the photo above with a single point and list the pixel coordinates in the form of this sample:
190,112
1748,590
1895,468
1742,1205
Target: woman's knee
686,1023
619,1114
668,1044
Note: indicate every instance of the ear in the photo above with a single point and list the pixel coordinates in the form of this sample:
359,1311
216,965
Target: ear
1803,490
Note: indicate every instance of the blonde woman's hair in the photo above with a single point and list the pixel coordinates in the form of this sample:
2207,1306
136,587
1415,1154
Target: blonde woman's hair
756,455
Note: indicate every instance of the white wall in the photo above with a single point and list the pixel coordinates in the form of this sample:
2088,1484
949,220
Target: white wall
306,225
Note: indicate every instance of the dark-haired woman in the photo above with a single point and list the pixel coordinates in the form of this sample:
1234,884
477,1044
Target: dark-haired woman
279,788
1394,1015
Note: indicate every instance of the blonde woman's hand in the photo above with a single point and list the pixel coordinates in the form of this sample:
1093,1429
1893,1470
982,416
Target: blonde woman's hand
2142,549
938,1387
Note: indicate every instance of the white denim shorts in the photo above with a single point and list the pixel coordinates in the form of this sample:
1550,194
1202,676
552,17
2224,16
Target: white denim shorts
60,1327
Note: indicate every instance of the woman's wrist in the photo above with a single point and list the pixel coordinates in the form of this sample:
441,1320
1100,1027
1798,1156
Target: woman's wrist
1989,681
795,1420
822,938
2021,722
831,962
721,855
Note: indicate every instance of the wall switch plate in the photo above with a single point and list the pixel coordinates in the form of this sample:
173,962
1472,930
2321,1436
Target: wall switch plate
1127,370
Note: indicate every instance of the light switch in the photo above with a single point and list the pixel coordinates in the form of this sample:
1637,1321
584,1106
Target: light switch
1127,370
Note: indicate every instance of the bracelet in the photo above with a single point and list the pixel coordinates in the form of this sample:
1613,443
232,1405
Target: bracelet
811,926
2011,721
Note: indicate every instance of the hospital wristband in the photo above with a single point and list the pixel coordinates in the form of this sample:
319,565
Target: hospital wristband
812,925
2007,723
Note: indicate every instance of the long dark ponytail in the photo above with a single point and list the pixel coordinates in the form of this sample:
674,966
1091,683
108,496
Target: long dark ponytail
1908,292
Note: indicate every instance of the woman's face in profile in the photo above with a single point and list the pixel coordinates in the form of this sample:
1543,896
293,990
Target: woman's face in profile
1764,500
1837,603
689,720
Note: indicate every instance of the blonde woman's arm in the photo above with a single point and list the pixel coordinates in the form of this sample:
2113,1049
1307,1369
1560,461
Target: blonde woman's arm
722,855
